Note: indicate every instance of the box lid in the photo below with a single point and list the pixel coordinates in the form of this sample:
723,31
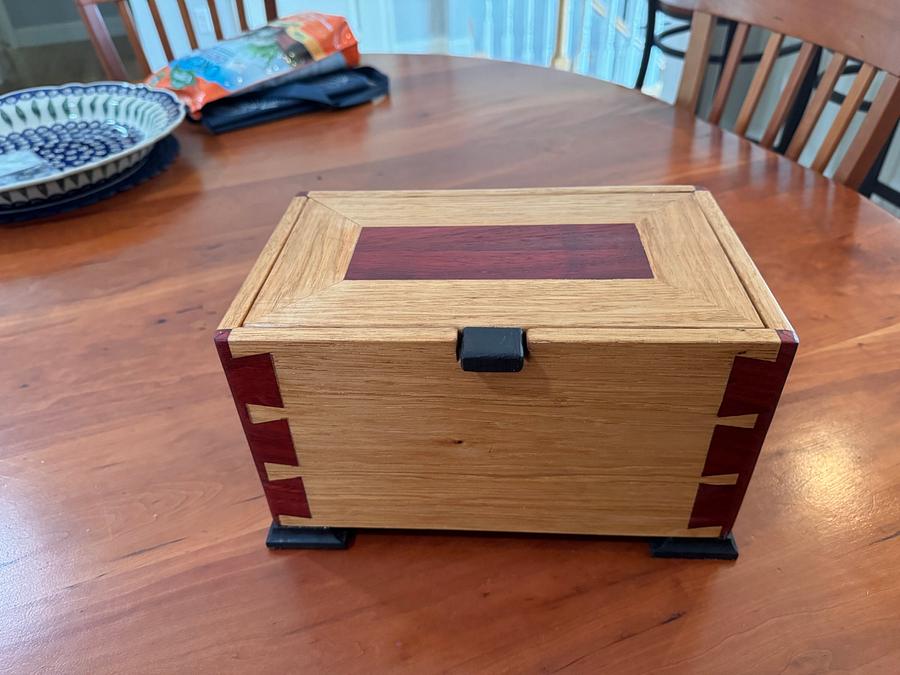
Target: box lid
628,257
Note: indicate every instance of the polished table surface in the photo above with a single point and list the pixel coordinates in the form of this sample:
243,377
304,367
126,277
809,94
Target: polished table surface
132,521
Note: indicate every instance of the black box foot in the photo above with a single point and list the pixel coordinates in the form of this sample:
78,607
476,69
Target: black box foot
696,548
309,537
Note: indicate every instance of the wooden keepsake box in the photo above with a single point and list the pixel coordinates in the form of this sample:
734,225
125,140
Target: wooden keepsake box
586,360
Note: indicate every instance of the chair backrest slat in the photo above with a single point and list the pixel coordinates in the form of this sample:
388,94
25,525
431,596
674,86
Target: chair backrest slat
816,105
131,32
188,26
217,25
695,58
726,79
875,131
242,15
789,95
845,114
102,41
161,30
271,10
758,84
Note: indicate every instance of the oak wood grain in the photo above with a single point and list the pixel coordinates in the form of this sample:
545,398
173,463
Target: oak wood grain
133,519
599,435
692,283
625,420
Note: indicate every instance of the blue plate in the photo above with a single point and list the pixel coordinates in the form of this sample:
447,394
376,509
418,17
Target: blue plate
159,158
54,140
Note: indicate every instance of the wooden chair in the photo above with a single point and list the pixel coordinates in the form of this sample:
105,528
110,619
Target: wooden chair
106,49
865,30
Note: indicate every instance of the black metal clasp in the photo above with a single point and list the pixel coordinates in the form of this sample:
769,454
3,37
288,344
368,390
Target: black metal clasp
491,350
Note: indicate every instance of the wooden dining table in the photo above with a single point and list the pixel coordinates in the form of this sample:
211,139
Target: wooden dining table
132,522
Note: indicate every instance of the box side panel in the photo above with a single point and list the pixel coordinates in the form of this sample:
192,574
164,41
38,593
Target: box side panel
248,291
755,285
603,432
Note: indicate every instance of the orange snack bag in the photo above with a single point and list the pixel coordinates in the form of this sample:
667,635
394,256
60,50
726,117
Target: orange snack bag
292,47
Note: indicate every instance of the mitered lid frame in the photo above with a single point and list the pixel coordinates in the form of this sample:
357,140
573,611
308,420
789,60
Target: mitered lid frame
702,276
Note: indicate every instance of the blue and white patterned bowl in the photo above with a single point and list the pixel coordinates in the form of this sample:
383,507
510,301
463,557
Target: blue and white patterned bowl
57,139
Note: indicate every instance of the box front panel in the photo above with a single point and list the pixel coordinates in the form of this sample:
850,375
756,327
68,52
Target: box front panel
603,432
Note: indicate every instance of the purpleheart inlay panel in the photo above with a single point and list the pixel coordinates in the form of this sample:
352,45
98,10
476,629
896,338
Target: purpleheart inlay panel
601,251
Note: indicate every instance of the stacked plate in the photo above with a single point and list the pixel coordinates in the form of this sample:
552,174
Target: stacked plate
58,143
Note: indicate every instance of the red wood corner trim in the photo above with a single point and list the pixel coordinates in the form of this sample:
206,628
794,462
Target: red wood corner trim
754,387
252,381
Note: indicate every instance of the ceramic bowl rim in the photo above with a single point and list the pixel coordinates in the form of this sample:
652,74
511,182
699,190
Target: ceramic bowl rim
90,166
